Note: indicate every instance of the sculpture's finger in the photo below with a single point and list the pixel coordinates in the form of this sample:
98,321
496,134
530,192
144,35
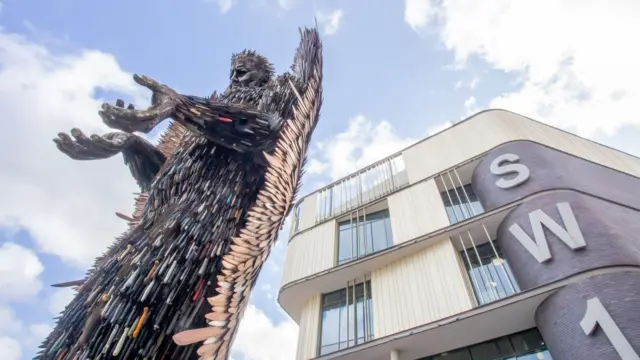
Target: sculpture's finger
115,145
68,147
131,107
147,82
120,103
116,119
81,138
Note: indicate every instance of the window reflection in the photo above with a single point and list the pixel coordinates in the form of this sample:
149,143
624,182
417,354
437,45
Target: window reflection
364,235
490,275
461,203
527,345
344,323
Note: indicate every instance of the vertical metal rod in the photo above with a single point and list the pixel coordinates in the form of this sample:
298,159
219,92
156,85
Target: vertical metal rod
383,169
380,176
355,314
391,174
483,271
455,190
343,191
359,189
347,290
351,235
324,204
357,229
331,189
348,182
364,230
473,277
453,209
466,195
374,179
495,251
365,306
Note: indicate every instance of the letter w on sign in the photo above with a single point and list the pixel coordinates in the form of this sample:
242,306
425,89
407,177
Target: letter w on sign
539,248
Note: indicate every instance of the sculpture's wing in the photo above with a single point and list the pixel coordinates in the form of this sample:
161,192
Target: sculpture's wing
265,218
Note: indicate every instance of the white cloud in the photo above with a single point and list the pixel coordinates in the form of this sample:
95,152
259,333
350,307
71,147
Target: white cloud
362,143
470,107
224,5
260,339
581,74
67,206
9,322
15,336
59,300
20,270
331,21
474,82
10,348
286,4
418,13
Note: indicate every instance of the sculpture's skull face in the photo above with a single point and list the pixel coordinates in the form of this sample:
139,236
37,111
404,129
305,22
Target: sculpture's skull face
249,68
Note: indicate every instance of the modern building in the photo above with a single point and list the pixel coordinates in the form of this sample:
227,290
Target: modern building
498,238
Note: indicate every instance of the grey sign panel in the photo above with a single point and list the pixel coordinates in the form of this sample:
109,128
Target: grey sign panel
549,169
609,231
559,316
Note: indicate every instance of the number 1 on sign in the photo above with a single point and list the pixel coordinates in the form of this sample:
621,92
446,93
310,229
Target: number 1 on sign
596,315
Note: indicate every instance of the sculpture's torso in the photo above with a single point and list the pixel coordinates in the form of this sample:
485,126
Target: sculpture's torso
194,207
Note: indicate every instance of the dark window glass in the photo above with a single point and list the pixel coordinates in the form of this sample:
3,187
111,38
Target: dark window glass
490,275
527,345
462,354
485,351
343,324
527,341
461,204
364,235
296,218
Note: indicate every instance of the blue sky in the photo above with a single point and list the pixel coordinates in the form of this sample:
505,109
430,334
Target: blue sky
395,72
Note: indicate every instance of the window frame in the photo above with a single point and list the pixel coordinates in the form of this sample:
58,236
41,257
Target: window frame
366,295
485,250
359,224
474,203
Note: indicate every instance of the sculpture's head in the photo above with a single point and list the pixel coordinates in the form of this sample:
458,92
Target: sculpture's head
249,68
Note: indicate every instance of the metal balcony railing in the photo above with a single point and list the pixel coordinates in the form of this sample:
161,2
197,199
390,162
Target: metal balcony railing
371,183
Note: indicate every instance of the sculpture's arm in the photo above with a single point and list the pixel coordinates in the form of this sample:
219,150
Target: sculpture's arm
144,159
240,127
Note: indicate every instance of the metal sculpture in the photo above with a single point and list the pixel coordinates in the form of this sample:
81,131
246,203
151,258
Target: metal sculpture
216,191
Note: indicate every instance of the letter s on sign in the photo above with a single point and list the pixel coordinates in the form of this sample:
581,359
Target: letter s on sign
499,168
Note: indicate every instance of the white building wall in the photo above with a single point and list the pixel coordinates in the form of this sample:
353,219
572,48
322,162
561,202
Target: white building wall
310,252
416,211
489,129
309,327
419,289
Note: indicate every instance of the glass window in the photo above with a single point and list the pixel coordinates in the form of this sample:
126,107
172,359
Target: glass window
485,351
296,218
364,235
462,354
490,274
461,203
527,345
343,324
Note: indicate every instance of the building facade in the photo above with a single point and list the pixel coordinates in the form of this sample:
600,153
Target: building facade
498,238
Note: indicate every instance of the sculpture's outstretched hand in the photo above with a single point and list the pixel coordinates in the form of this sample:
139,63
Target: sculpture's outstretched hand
143,158
95,147
163,103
